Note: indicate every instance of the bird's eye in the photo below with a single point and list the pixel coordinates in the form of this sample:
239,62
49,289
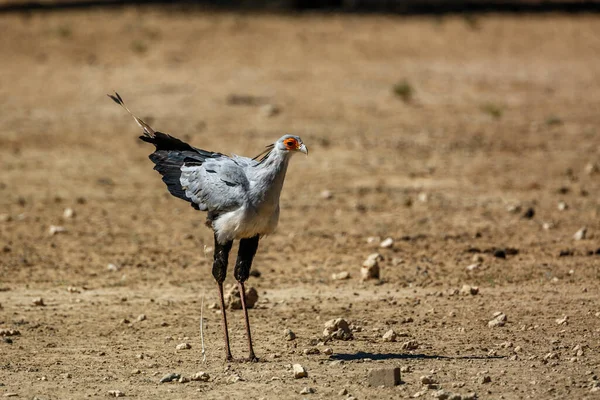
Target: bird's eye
290,143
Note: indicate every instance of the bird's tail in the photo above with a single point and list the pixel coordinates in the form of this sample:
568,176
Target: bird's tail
148,131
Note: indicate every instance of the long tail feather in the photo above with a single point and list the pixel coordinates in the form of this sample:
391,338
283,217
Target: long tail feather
148,131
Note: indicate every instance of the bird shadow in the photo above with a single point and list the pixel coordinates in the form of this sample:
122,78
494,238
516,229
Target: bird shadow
402,356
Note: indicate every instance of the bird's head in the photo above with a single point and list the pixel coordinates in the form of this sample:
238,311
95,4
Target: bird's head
291,143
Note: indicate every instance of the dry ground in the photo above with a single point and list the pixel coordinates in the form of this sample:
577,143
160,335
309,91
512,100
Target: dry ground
504,112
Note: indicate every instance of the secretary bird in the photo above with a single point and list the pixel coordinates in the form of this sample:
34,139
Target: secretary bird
239,194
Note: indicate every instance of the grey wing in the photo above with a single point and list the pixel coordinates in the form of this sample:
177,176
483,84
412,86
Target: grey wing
219,184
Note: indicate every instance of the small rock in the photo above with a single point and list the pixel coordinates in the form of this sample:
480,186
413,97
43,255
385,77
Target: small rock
441,394
9,332
390,336
473,267
563,320
10,394
328,351
326,194
370,267
136,372
169,378
213,306
112,267
234,300
428,380
499,253
183,346
340,276
269,110
343,392
38,302
373,239
484,379
410,345
529,214
299,371
183,379
498,321
311,351
387,377
387,243
116,393
467,290
562,206
288,334
307,390
580,234
141,317
201,376
592,168
338,329
68,213
54,229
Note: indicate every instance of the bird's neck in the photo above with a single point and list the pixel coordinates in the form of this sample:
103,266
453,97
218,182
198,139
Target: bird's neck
271,174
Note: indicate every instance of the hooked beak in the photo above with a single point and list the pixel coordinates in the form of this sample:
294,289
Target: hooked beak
303,149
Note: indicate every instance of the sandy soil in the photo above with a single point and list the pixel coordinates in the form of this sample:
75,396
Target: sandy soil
503,115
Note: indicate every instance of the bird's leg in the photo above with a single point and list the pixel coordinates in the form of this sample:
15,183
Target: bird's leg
219,272
242,272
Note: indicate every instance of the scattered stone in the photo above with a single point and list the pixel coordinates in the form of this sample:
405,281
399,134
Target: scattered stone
201,376
441,394
68,213
338,329
470,396
387,377
9,332
340,276
269,110
136,372
370,267
473,267
406,369
183,379
125,321
72,289
498,320
410,345
307,390
563,320
514,208
580,234
562,206
10,394
328,351
299,371
387,243
343,392
551,356
213,306
484,379
529,214
288,334
326,194
54,229
390,336
311,351
373,239
141,317
499,253
234,300
428,380
38,302
169,378
116,393
66,375
183,346
592,168
112,267
467,290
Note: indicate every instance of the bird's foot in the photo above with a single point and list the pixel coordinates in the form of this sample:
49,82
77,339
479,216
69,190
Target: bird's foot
252,358
229,358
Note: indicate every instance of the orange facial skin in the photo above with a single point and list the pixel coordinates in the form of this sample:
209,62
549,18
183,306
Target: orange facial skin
291,144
